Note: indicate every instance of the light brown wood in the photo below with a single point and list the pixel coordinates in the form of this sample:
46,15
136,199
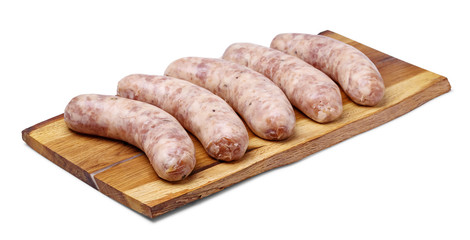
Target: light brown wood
123,173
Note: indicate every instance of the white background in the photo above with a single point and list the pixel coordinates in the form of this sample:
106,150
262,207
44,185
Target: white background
407,179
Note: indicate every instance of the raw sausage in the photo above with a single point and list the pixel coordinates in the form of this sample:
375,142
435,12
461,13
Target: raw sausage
307,88
259,101
354,72
219,129
165,142
263,106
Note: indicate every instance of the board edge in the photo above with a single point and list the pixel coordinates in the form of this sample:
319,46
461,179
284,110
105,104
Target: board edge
123,198
53,156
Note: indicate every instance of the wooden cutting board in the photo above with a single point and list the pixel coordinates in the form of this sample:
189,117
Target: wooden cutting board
123,172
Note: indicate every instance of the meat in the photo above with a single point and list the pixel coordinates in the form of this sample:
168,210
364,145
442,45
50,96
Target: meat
165,142
307,88
354,72
219,129
263,106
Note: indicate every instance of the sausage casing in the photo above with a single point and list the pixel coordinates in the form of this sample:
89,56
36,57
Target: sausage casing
165,142
219,129
307,88
263,106
354,71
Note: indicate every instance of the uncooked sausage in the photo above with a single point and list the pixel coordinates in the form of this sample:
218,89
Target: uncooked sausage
165,142
356,74
307,88
263,106
219,129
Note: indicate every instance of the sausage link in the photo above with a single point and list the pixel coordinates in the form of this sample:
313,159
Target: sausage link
354,72
263,106
165,142
307,88
219,129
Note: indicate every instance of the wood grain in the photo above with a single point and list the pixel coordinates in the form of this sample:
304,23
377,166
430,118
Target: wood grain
123,172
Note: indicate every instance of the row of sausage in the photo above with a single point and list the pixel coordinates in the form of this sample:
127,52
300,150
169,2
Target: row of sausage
204,95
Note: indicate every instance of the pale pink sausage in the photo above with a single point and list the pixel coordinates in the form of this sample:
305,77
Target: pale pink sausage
219,129
263,106
355,73
165,142
307,88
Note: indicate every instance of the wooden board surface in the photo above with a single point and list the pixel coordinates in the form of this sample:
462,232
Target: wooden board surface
123,172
